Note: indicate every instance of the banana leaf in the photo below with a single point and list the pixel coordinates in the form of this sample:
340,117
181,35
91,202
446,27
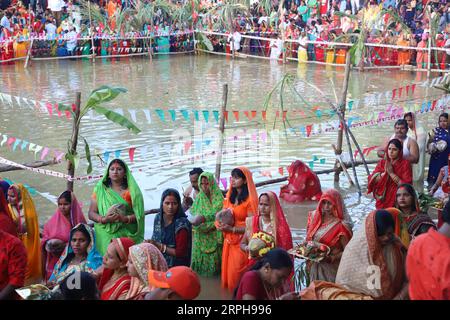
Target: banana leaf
117,118
103,94
88,155
203,39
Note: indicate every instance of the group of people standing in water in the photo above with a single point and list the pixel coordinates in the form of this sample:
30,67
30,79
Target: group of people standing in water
240,236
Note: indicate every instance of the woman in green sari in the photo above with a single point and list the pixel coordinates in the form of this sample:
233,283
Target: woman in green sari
207,241
117,207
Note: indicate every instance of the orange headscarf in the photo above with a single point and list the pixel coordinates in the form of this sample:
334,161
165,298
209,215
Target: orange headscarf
253,195
339,211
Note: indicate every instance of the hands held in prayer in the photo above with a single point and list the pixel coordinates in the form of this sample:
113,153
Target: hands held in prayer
389,169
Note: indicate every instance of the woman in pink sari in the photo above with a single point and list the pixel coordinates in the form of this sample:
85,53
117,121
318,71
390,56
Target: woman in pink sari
57,230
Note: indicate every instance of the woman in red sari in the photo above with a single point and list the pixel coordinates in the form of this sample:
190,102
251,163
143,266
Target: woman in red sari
388,175
330,225
57,230
269,220
242,198
115,281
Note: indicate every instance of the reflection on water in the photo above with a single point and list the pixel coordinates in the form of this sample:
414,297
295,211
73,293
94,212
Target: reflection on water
188,82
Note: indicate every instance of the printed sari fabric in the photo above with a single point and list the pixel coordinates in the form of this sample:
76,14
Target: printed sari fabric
234,260
93,261
280,228
407,226
207,240
145,257
328,234
112,288
107,197
168,234
6,222
25,217
364,257
428,267
59,227
385,189
438,159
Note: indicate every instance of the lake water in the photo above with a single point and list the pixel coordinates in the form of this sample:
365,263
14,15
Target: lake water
192,82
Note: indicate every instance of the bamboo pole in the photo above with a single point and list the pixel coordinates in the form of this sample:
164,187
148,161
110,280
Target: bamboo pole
222,131
283,34
74,139
341,107
429,58
29,53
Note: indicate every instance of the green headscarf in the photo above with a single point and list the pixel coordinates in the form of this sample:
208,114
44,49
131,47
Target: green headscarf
106,197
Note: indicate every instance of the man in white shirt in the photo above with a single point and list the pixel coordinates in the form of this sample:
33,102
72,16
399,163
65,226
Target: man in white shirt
236,39
191,192
50,29
71,42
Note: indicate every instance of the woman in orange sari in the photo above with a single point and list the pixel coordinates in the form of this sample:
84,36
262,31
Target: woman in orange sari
115,281
242,198
404,55
329,224
23,213
388,174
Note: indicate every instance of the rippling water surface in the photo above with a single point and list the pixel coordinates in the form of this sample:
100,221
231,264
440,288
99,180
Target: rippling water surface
190,82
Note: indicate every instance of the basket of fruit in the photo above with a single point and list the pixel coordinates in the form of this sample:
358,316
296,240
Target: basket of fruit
311,250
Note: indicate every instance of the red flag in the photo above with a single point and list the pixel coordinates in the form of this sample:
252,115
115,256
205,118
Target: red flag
74,107
225,114
308,130
253,114
49,108
264,114
433,105
277,114
284,115
236,115
131,153
10,141
67,114
393,93
400,92
413,88
281,171
407,90
187,146
247,114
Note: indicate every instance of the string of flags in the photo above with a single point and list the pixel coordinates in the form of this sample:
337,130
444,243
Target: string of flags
18,144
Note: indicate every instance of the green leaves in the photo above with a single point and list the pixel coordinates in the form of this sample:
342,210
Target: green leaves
203,39
73,158
103,94
117,118
88,155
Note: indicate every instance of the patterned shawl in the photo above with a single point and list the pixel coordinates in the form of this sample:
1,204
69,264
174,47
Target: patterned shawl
93,261
145,257
167,234
364,258
281,230
203,206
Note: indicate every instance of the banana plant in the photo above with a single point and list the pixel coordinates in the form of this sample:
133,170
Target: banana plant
227,11
95,102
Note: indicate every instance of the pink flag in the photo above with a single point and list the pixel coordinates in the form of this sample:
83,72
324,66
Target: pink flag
44,153
49,108
393,93
224,183
131,153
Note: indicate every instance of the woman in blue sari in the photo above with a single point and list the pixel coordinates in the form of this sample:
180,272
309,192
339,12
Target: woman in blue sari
439,147
80,254
172,231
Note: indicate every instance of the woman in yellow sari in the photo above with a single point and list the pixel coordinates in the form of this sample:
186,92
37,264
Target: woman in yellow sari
23,213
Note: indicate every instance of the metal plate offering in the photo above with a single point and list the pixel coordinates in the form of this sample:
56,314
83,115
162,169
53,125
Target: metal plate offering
311,250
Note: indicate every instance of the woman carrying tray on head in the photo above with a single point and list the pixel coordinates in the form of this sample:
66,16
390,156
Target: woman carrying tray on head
330,225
